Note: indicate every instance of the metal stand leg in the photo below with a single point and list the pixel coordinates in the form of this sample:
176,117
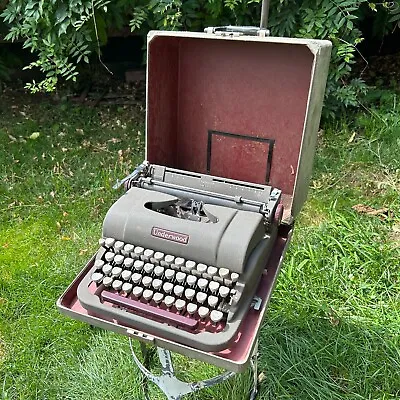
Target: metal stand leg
174,388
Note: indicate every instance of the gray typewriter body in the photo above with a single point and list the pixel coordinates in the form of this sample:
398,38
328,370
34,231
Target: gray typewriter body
209,237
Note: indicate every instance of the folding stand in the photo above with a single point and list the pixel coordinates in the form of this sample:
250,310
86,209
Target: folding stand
175,389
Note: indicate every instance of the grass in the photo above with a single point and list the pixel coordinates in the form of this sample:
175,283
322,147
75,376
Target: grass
333,328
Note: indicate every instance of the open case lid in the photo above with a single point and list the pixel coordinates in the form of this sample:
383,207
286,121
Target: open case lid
240,107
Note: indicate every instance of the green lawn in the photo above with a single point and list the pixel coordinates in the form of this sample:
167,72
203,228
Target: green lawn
333,327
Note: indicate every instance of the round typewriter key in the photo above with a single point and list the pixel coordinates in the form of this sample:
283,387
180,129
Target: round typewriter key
118,246
180,304
117,285
191,308
157,283
148,268
223,273
158,257
146,281
179,262
169,274
202,283
138,251
212,301
213,286
167,287
223,291
189,293
138,265
190,265
97,277
107,281
126,275
216,316
137,291
234,277
116,272
202,268
203,312
136,278
128,249
147,254
127,287
109,256
147,294
128,262
168,260
228,282
212,271
178,290
109,242
119,259
191,280
107,269
201,297
169,301
158,297
102,242
99,264
158,271
180,277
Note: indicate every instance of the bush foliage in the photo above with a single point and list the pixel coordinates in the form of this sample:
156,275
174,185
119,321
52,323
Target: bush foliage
65,33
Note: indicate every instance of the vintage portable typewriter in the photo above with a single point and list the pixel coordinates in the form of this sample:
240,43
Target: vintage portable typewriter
182,254
190,253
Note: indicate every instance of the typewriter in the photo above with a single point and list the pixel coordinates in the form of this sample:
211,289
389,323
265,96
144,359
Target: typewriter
181,255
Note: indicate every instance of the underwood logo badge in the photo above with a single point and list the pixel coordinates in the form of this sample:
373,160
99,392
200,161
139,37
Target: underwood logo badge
170,235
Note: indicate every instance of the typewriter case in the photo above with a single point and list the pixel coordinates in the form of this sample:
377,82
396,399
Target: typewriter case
240,107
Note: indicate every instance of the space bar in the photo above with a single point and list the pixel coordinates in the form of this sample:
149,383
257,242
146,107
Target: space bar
153,312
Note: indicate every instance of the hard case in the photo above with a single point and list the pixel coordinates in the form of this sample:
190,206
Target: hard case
240,107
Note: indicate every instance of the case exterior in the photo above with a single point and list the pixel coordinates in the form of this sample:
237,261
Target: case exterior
241,107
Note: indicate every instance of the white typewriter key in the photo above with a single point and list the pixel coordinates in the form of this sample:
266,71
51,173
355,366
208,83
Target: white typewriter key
223,291
168,260
191,308
178,290
116,272
147,254
158,271
138,252
169,274
169,301
168,287
216,316
97,277
191,280
109,242
127,287
157,283
118,246
102,242
107,269
128,249
201,297
148,268
117,284
190,265
99,264
202,268
109,256
180,277
137,291
212,301
228,282
107,281
146,281
180,304
138,265
126,275
136,278
213,286
202,283
158,297
234,277
119,259
147,294
128,262
212,271
158,257
189,293
223,273
203,312
179,262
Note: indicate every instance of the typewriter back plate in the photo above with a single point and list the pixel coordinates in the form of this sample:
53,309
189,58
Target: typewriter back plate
245,108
